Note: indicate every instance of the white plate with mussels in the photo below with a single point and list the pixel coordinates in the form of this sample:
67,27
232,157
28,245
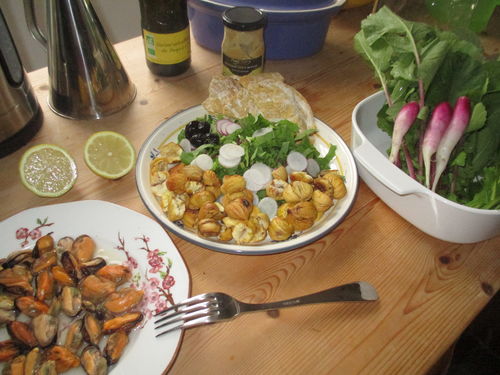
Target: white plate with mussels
168,132
122,237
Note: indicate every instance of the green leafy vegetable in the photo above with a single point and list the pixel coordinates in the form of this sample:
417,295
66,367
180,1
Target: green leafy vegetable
417,62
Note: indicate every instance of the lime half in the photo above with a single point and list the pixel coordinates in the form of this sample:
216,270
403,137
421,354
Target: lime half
109,154
47,170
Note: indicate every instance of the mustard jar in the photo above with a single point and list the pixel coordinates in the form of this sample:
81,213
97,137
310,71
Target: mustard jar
243,44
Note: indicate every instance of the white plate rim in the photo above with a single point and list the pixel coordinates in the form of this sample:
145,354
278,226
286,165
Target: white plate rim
167,346
348,164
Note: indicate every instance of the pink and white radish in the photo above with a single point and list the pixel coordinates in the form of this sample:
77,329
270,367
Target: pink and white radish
226,127
404,120
438,123
313,167
269,206
261,131
454,131
186,145
265,170
255,179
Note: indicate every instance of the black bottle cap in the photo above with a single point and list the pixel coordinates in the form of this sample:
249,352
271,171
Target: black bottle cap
243,18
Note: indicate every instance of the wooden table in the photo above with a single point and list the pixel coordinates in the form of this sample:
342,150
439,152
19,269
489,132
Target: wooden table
429,290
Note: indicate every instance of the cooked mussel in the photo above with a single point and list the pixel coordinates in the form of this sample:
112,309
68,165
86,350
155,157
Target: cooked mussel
22,257
32,363
124,322
71,300
7,316
92,329
45,329
83,248
30,306
47,368
115,346
6,302
16,366
16,280
92,266
45,261
65,243
43,245
44,285
61,277
74,336
71,266
22,333
63,357
123,300
95,289
93,362
116,273
8,350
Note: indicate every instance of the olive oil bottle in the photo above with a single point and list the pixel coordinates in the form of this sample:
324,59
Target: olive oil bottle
165,32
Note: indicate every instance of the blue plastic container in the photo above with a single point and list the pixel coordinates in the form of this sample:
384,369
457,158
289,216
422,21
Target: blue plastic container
295,28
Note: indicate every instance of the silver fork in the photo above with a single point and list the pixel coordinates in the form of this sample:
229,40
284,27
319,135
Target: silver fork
215,307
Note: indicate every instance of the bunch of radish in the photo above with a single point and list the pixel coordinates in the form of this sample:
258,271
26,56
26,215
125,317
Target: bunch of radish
444,130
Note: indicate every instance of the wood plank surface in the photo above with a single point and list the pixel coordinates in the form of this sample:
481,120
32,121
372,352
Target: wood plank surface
430,290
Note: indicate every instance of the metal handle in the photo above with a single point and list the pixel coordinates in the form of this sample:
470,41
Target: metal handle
29,14
353,292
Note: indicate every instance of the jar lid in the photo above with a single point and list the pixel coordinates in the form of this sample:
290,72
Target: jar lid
243,18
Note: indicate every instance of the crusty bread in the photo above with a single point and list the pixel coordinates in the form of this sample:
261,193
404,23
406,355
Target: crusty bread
265,93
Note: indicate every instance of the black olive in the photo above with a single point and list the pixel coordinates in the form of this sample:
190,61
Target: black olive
197,139
197,127
212,138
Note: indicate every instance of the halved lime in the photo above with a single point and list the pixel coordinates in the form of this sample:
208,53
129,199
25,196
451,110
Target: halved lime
47,170
109,154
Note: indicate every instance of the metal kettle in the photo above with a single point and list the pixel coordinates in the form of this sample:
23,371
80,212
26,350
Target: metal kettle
87,79
20,114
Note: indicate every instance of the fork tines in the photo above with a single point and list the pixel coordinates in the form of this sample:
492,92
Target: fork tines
188,313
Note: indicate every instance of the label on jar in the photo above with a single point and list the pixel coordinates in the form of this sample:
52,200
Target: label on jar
169,48
242,67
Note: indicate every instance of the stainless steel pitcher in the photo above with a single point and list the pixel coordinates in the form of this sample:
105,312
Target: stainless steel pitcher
87,79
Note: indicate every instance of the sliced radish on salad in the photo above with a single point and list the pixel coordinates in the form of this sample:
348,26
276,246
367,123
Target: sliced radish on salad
296,161
255,179
269,206
186,145
265,170
226,127
203,161
228,163
231,151
313,167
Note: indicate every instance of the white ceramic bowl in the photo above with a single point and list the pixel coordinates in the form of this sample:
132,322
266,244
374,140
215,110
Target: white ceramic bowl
168,130
428,211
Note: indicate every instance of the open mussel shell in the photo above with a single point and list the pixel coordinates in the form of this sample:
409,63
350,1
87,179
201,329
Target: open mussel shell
45,329
33,361
93,362
115,346
9,349
71,300
22,333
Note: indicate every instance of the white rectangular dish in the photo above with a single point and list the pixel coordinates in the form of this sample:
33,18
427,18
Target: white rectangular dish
428,211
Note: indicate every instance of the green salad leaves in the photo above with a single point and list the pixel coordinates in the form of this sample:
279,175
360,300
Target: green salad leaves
271,148
417,62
